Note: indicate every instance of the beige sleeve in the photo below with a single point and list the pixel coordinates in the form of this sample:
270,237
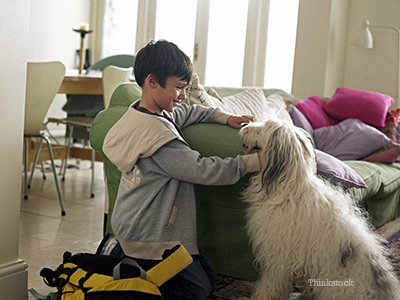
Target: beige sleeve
252,163
221,117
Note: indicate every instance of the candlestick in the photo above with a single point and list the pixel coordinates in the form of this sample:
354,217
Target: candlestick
83,33
84,26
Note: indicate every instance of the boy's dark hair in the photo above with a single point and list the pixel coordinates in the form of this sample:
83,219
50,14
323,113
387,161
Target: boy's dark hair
163,59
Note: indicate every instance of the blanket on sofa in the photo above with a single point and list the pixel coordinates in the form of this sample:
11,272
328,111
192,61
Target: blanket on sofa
352,125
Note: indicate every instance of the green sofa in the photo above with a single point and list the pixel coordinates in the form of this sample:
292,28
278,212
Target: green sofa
221,224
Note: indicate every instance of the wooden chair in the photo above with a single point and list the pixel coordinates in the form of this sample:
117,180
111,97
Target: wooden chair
42,83
111,78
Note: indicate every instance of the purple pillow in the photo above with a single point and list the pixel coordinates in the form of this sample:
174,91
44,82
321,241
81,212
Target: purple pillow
300,120
311,108
350,139
331,168
370,107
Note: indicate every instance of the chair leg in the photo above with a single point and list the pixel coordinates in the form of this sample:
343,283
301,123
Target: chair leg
92,184
39,142
54,173
65,164
43,172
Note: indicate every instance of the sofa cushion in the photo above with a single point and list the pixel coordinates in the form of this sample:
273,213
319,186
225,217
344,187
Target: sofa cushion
227,91
370,173
382,179
331,168
300,120
350,139
387,154
253,102
370,107
311,108
390,175
249,102
196,94
382,196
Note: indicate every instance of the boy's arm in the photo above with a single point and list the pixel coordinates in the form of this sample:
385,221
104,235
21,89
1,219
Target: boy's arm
177,160
185,115
238,121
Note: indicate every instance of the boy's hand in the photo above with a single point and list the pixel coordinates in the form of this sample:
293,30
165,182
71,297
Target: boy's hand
238,121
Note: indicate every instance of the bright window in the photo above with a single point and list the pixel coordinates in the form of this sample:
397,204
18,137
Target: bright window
282,28
226,42
175,22
119,27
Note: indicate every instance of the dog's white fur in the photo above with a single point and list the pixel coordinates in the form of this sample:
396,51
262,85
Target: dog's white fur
303,229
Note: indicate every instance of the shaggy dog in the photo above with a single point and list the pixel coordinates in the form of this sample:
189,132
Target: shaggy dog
304,230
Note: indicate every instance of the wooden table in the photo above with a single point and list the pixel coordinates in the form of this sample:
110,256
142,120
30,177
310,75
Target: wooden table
75,84
81,85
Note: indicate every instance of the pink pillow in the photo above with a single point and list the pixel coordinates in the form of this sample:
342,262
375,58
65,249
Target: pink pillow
370,107
387,154
311,108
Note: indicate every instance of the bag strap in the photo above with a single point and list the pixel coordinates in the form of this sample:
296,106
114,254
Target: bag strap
131,262
170,266
36,294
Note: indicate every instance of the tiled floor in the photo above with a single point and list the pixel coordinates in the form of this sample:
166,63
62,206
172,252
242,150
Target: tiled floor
45,235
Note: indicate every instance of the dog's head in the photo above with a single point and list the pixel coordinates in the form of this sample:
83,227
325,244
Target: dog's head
251,137
287,151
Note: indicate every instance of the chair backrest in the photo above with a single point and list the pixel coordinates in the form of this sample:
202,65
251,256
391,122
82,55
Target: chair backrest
112,77
119,60
43,80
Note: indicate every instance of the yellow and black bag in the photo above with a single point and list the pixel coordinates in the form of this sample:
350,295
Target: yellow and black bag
101,277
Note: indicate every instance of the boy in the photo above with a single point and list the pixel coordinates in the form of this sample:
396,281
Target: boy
155,207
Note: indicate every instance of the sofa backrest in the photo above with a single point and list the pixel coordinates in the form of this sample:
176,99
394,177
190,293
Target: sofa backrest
228,91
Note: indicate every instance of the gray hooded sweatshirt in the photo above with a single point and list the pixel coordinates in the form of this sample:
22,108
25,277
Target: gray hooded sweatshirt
155,207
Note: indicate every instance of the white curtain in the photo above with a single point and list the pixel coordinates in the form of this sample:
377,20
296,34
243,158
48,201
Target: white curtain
96,23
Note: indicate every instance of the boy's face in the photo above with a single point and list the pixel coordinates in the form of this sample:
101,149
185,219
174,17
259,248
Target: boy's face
174,92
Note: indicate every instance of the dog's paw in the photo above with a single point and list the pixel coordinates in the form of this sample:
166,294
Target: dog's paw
246,288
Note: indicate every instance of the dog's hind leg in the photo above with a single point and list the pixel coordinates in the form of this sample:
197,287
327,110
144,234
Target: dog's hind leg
272,285
385,283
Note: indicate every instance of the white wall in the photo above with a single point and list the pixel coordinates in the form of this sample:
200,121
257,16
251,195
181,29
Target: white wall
374,69
324,58
320,47
47,29
14,16
336,56
50,29
51,38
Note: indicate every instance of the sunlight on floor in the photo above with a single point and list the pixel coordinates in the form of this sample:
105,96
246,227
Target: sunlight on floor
45,235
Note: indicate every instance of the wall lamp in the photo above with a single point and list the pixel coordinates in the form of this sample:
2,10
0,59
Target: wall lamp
364,39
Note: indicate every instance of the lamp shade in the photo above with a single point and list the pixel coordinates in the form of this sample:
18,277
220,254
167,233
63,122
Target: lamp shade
364,37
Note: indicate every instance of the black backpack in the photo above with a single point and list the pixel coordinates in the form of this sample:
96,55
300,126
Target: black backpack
87,276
